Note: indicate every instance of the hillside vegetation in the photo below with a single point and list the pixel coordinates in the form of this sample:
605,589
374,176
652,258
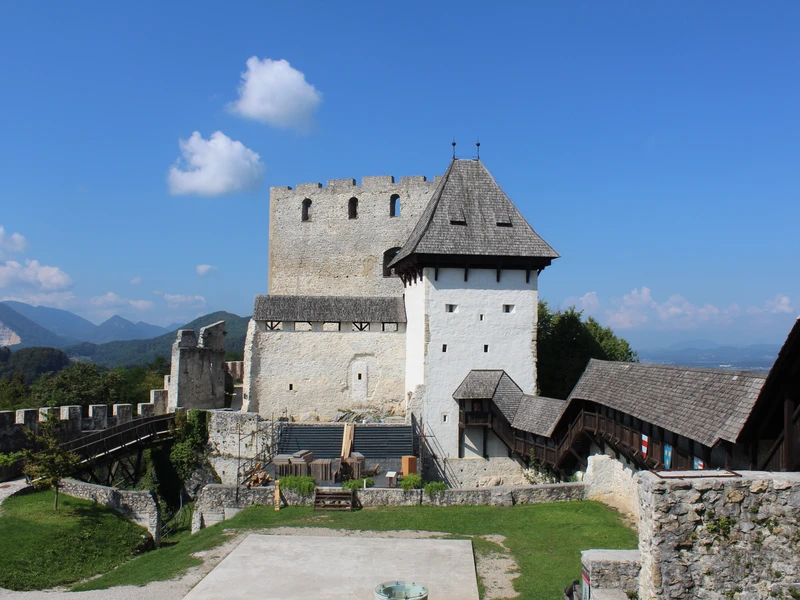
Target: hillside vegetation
29,332
138,352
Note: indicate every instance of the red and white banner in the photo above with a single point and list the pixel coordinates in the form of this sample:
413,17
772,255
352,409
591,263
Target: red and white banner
645,444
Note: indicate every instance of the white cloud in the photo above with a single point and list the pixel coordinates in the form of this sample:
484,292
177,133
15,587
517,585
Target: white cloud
273,92
35,275
136,280
215,166
779,305
204,270
179,300
112,300
11,244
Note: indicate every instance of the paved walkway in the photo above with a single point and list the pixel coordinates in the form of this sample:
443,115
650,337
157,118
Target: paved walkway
277,567
11,487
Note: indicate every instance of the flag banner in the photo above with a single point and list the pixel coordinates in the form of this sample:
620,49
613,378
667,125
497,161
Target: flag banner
667,456
645,444
698,463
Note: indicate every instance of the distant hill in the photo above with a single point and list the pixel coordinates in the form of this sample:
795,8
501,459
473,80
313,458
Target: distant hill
755,357
77,329
136,352
60,322
18,331
118,329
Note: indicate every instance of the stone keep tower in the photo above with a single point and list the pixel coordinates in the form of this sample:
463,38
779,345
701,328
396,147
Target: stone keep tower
470,269
337,240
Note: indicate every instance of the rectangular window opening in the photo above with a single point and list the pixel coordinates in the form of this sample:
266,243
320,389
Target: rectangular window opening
499,224
444,418
508,308
480,317
486,347
444,347
291,387
457,222
451,307
359,376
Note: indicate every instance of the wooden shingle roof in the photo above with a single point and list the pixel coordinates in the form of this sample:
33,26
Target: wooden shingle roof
329,308
706,405
535,414
470,215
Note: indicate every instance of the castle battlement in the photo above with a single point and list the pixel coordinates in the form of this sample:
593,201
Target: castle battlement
369,183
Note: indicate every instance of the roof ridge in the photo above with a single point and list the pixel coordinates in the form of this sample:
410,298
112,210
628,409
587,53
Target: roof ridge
757,374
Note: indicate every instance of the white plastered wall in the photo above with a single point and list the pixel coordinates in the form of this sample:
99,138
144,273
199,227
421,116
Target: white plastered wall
322,369
510,337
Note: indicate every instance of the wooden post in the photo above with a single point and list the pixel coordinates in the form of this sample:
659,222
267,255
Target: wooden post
277,498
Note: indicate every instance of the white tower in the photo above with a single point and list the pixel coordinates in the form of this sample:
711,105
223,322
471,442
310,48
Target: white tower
470,269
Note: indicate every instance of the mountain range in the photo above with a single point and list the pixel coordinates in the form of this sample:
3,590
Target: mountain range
115,342
27,322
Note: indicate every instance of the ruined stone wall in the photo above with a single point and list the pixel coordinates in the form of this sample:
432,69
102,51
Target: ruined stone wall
233,436
332,254
480,472
138,506
197,371
613,482
719,537
312,374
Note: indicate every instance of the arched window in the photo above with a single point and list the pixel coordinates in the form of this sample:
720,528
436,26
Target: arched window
394,206
388,257
306,210
352,208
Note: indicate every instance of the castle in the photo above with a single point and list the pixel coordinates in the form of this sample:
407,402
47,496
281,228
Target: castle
386,296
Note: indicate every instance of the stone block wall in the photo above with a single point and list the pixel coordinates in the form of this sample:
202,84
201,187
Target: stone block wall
216,503
231,434
330,250
612,569
719,537
139,506
613,482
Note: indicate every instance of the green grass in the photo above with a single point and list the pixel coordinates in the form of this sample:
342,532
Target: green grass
545,539
41,548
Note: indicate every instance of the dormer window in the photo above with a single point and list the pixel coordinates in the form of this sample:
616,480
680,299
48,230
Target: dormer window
457,222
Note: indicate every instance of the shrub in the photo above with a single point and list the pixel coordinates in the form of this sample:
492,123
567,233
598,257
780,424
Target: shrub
434,487
410,482
301,485
357,484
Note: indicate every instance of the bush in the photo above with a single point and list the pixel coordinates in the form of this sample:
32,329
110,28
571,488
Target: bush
301,485
357,484
434,487
410,482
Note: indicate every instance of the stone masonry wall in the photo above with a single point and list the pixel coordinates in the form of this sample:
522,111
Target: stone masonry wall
332,254
197,370
613,482
139,506
323,368
231,434
720,537
216,503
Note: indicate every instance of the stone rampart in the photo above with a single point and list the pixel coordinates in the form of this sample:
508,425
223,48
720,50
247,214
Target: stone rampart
613,482
197,369
232,435
719,537
138,506
612,569
216,503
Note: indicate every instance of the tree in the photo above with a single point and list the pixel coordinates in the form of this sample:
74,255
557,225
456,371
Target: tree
79,383
565,345
47,462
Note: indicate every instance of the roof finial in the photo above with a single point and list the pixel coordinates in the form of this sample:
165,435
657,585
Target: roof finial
478,144
454,147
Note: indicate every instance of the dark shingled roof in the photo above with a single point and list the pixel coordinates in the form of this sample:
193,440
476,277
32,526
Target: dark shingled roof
329,308
539,415
535,414
468,193
705,405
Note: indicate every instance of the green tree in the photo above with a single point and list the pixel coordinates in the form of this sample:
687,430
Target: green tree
79,383
14,393
565,345
47,462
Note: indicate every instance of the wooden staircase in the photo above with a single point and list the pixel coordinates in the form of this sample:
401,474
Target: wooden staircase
333,499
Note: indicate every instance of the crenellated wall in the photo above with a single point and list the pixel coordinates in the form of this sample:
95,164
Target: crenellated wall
331,251
197,370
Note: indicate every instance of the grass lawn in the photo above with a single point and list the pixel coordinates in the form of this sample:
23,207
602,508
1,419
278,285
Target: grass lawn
41,548
545,539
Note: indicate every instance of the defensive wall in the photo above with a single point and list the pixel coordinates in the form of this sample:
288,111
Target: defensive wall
73,421
235,438
216,503
317,243
139,506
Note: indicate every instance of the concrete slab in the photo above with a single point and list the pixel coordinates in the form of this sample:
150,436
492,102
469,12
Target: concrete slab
276,567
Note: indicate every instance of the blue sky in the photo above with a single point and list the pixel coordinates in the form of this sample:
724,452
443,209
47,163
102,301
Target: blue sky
656,146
